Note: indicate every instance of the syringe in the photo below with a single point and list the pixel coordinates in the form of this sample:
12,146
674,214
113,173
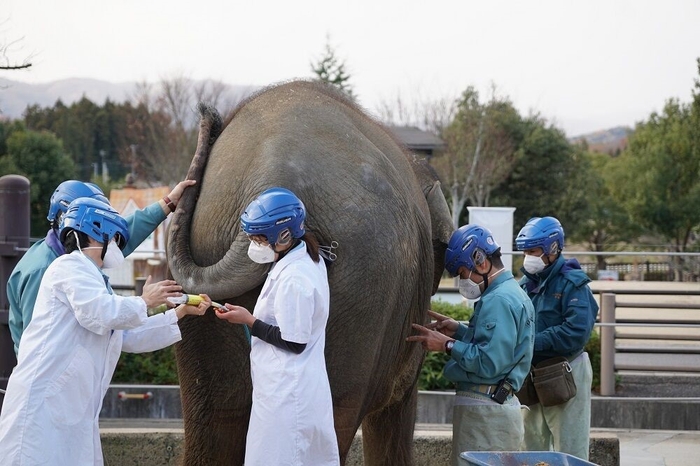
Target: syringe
192,300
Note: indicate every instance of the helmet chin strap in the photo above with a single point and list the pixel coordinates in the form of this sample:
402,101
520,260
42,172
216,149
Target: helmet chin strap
105,243
487,276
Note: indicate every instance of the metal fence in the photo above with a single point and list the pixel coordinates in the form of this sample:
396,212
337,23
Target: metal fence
667,339
641,265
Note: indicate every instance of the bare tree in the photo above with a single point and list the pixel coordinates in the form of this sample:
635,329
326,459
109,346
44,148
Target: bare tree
6,63
218,95
480,150
8,48
167,139
428,114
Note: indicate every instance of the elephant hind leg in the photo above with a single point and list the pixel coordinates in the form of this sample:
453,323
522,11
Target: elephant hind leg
387,434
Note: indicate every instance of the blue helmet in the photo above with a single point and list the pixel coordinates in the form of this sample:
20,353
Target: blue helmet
272,212
96,219
67,192
469,246
541,232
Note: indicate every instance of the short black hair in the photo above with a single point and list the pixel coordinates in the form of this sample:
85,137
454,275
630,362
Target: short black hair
496,258
70,244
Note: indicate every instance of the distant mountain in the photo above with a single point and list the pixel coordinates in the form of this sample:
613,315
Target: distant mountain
15,96
608,141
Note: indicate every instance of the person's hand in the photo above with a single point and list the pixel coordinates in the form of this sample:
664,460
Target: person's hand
177,191
186,309
155,294
431,340
235,315
443,324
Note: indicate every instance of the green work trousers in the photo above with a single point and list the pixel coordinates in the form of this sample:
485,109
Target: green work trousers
566,427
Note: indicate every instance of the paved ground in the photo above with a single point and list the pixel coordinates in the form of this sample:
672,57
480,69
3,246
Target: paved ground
637,447
656,447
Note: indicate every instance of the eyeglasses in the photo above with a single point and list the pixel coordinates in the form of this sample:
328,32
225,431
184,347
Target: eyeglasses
257,239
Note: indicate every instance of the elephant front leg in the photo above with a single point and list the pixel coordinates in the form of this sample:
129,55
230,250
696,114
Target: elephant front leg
219,442
216,391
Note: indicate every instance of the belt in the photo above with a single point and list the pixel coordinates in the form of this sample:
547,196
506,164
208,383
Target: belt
486,389
574,356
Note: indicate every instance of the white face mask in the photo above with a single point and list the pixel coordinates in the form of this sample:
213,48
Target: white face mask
261,254
113,257
468,288
534,264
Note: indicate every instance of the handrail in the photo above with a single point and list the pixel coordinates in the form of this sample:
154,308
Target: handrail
597,289
616,253
654,325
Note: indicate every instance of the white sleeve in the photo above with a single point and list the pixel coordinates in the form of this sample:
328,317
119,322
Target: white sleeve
93,306
158,332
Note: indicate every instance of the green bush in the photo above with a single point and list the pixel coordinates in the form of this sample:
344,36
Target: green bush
154,368
593,350
431,377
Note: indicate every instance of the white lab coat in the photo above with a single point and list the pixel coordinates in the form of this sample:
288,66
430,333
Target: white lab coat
291,422
65,363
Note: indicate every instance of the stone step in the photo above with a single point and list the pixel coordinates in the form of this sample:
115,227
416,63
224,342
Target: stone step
658,384
657,362
657,346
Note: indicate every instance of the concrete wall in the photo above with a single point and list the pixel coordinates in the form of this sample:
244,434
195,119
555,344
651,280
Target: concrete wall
148,448
163,402
435,408
645,413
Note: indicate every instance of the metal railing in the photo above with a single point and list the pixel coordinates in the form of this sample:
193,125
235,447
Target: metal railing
609,322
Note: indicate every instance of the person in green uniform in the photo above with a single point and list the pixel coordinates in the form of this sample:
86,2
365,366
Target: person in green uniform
566,312
489,357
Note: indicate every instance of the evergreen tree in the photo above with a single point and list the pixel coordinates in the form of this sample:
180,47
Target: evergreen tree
540,178
331,70
40,157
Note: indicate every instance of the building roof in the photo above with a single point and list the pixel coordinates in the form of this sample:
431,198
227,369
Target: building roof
416,139
127,200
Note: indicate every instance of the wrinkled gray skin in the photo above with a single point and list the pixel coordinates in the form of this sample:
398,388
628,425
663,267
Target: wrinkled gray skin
383,207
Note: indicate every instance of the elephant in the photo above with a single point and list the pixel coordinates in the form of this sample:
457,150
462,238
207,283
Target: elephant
385,209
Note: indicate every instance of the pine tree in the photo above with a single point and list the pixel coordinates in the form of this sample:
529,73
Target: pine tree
331,70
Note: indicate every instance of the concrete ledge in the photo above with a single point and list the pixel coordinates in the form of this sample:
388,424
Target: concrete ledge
646,413
436,407
150,447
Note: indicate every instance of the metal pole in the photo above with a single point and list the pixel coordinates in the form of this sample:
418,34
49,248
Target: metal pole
105,172
133,159
14,238
607,345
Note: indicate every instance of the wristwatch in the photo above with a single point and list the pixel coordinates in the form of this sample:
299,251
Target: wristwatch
448,346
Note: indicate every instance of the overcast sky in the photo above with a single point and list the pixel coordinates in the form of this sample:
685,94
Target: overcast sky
584,65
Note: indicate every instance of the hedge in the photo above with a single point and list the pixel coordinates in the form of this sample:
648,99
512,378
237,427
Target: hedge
159,368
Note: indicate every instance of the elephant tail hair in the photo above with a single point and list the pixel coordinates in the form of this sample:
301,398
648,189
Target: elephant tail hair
210,127
210,118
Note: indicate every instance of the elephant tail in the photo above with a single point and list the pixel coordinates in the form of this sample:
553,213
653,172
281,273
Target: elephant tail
210,127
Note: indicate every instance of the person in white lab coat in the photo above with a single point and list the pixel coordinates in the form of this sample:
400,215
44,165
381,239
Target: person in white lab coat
70,349
291,421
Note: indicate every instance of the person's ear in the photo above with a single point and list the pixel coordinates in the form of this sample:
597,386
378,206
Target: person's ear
484,267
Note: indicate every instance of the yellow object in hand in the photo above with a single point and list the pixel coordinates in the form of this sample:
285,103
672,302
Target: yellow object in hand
192,300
